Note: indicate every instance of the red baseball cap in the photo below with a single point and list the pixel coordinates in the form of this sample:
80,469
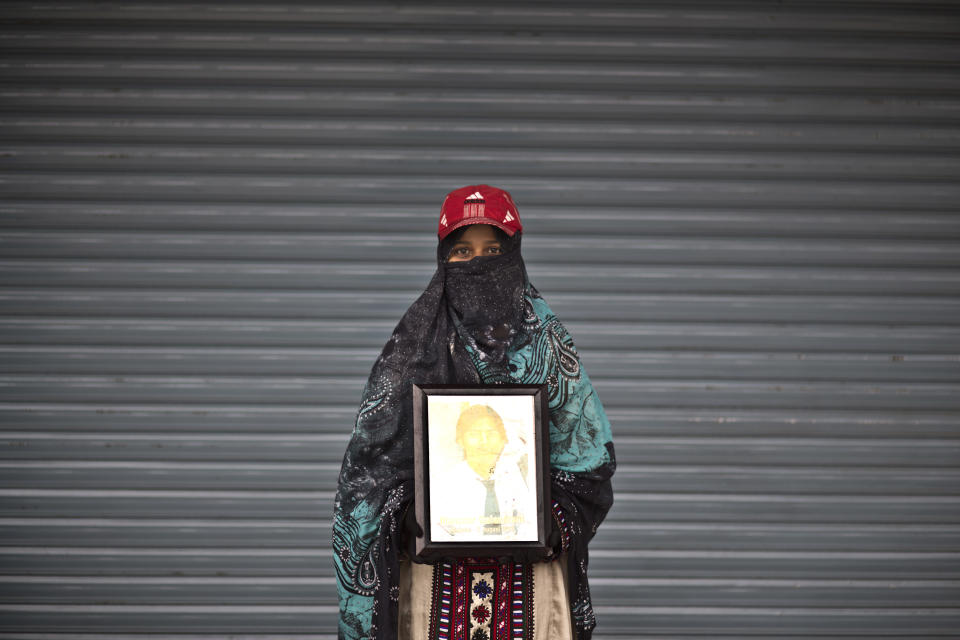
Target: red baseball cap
478,204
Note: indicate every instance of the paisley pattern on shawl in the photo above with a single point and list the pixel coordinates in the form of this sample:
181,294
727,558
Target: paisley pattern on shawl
450,335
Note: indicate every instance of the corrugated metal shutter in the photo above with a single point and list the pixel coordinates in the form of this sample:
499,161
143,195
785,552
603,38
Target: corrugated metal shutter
746,213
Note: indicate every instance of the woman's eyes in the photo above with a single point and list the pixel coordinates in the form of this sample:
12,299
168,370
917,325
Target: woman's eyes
467,252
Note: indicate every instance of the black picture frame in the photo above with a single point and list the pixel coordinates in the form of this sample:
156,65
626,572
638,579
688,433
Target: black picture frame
514,519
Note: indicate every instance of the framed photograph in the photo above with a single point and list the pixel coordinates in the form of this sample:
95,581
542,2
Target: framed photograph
482,469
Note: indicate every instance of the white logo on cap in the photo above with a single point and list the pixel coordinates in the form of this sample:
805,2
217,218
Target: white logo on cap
476,194
508,217
443,220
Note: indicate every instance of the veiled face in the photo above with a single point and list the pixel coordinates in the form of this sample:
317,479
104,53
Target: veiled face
477,240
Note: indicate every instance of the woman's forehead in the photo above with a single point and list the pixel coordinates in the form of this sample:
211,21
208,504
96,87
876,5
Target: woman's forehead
478,233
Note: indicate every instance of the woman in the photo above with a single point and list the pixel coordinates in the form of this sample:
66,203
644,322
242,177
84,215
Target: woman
478,321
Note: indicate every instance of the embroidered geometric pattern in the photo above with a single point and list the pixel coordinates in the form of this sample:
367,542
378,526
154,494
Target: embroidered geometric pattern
481,599
480,614
521,618
441,601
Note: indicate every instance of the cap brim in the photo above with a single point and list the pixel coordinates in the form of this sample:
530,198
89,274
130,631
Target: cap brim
479,220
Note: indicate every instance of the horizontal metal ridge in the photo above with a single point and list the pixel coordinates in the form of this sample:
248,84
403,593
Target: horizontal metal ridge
176,608
607,364
200,478
543,216
552,163
296,132
671,539
605,564
584,41
404,248
164,71
614,591
337,420
281,581
327,444
272,304
742,105
884,18
205,505
558,276
685,336
183,186
617,392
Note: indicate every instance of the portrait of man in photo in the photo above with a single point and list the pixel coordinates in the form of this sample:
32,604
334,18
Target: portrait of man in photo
488,494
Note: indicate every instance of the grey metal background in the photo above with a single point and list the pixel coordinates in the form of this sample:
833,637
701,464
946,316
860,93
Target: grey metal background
746,212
